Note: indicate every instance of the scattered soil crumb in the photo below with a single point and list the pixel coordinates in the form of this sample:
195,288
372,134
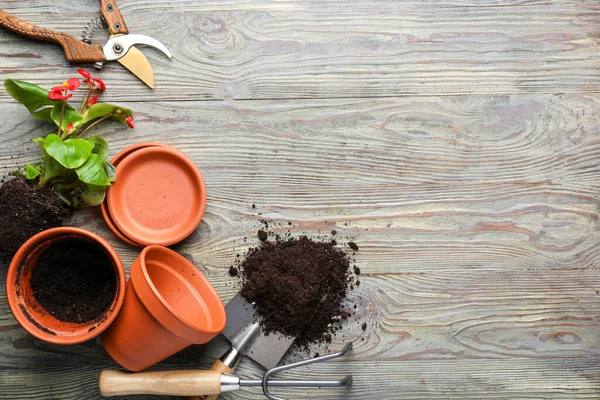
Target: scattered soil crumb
262,235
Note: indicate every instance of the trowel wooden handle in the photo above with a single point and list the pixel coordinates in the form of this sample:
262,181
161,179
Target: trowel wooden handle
169,383
219,367
75,50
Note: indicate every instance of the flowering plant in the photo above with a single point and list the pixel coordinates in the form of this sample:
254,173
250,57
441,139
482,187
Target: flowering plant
78,169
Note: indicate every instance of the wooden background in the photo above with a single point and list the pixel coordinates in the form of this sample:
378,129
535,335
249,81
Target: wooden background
457,142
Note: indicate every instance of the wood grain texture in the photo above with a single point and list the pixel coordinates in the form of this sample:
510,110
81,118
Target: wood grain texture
268,50
476,219
221,367
456,142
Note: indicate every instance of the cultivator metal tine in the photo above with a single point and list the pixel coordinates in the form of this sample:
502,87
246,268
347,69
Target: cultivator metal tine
265,383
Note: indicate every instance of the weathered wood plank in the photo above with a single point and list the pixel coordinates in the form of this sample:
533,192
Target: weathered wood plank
243,5
476,219
503,183
476,216
423,316
313,50
446,379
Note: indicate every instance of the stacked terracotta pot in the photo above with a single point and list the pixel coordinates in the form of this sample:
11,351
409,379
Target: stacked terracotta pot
159,196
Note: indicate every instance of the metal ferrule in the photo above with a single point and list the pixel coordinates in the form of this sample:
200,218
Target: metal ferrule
229,383
231,358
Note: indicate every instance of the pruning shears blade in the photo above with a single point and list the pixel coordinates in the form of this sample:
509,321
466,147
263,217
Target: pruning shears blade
138,64
117,46
121,48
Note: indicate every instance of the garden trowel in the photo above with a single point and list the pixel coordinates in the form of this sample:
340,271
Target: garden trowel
246,338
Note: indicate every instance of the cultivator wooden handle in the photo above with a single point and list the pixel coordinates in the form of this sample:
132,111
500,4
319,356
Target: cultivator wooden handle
199,383
169,383
220,367
75,50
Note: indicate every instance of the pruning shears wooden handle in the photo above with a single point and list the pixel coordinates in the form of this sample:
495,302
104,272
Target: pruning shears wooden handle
75,50
112,16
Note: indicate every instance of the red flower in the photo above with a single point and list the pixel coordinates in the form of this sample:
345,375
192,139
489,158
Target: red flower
95,84
84,73
99,84
69,127
92,101
60,92
58,95
92,83
129,121
72,84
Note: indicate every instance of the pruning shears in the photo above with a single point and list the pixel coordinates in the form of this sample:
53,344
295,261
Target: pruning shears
119,46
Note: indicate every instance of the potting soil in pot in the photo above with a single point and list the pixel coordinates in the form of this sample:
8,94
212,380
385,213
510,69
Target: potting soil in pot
74,281
297,285
26,210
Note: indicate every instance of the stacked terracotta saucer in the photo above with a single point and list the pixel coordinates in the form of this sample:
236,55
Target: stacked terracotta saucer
158,198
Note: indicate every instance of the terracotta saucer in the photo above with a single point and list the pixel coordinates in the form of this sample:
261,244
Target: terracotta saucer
159,196
128,150
104,209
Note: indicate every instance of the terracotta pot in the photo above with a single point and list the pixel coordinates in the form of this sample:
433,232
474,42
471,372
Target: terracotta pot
159,196
30,314
111,225
103,207
168,306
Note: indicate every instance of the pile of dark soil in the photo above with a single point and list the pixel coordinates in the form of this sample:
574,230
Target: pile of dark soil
74,281
298,286
26,210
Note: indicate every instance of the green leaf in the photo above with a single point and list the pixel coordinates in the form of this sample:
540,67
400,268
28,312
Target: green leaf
32,171
70,116
52,168
33,97
40,141
93,195
100,147
71,153
110,171
92,172
103,109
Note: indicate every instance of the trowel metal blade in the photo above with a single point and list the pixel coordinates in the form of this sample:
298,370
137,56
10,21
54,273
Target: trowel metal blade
267,350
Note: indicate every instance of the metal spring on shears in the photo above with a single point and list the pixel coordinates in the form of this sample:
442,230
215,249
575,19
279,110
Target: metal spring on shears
95,24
